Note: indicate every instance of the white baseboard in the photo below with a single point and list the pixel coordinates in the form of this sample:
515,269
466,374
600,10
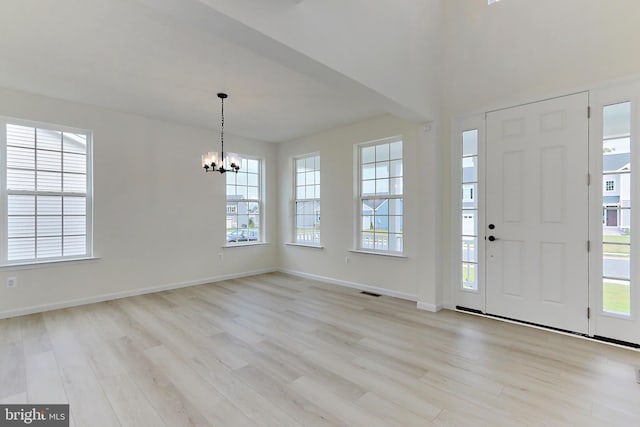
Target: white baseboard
129,293
434,308
354,285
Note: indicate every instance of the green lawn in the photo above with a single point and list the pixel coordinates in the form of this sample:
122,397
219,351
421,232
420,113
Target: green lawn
616,250
616,297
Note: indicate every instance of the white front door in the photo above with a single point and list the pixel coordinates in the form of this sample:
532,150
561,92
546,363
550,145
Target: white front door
537,211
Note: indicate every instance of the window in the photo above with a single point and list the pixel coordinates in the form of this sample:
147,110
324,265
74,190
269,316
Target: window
46,193
244,203
616,220
381,197
469,210
307,200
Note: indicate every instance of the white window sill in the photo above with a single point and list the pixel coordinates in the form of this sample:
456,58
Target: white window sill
50,263
304,245
244,245
387,254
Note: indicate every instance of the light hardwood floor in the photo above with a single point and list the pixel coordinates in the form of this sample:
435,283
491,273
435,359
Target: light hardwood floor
278,350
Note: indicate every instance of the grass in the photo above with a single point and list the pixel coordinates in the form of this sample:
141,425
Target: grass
616,297
621,249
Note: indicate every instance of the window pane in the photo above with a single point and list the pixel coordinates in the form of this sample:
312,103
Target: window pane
616,155
75,225
252,179
368,187
21,136
74,183
617,120
395,186
469,249
74,245
49,205
49,226
382,186
74,143
469,169
616,296
21,205
241,178
253,166
382,170
396,242
469,196
75,163
369,171
22,158
469,276
49,139
300,165
21,226
395,224
75,205
395,168
21,180
310,178
21,249
368,154
396,150
49,160
470,142
382,152
49,181
469,223
395,206
48,247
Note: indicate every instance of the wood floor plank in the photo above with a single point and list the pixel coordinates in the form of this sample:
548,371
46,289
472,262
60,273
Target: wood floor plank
279,350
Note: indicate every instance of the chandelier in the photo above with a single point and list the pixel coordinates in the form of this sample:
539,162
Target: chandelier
212,162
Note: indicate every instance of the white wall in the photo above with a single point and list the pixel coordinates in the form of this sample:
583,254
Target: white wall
158,219
415,276
516,51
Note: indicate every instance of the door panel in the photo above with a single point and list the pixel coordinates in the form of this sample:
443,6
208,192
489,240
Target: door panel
537,197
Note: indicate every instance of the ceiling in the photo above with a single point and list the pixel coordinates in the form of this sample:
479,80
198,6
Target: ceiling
127,55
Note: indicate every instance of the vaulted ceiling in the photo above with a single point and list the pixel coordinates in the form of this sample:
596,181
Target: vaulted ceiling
168,58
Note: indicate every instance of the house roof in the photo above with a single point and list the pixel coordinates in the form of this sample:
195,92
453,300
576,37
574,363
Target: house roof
615,162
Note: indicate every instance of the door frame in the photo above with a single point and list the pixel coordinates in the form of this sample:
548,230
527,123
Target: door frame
606,93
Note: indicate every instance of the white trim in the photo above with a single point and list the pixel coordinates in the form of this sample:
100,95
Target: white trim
434,308
353,285
389,254
128,293
41,264
244,245
302,245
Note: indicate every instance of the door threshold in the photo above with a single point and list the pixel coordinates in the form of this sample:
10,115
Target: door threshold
597,338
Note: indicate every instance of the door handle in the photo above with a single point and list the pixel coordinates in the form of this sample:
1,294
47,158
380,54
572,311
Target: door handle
492,238
492,226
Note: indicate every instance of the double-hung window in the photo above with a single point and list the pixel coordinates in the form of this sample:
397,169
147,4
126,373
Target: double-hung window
381,196
244,203
307,200
45,191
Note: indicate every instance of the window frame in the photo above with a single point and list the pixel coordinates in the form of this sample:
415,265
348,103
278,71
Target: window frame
260,201
360,197
296,200
5,192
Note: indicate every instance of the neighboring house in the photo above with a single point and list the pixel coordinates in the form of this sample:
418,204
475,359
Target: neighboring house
616,190
238,212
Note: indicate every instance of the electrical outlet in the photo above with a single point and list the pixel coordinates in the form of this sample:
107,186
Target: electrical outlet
221,256
638,375
347,259
12,282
